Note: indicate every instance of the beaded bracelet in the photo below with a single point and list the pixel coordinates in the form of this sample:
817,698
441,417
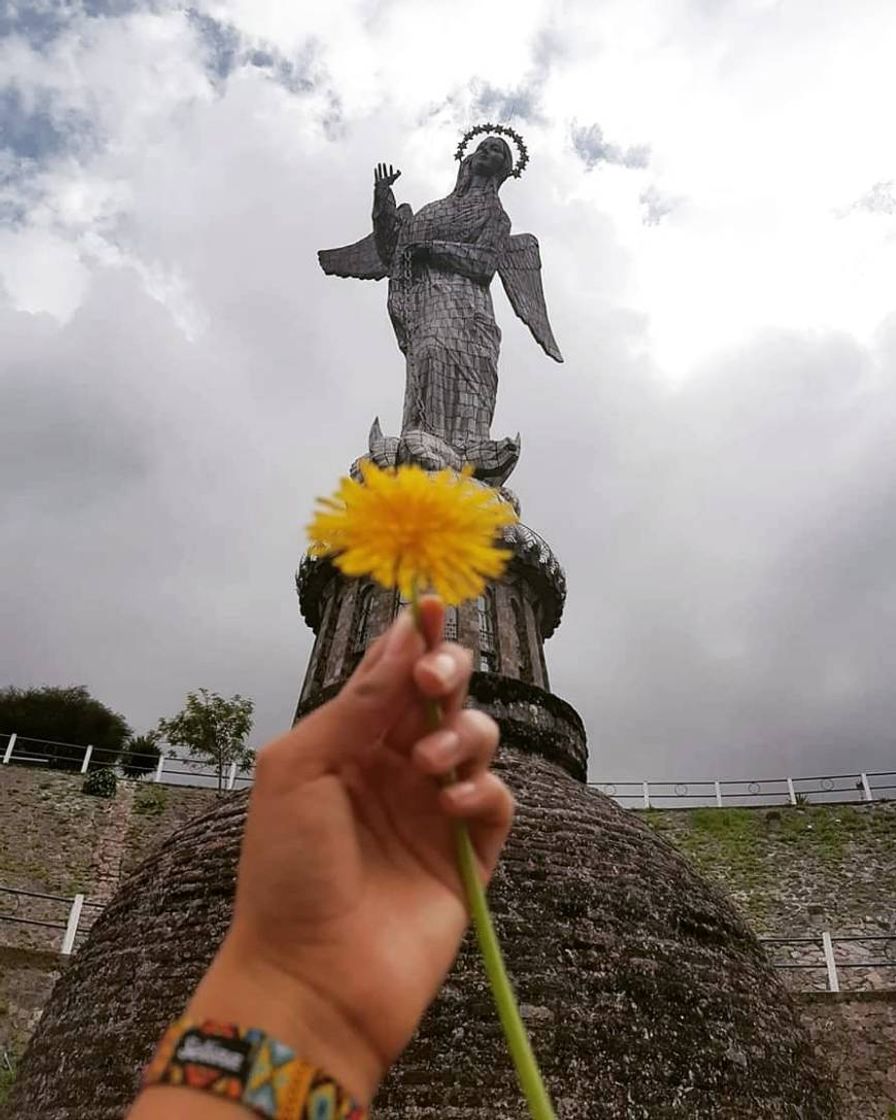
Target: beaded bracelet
249,1068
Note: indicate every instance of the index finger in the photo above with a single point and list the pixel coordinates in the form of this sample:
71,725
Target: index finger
431,619
347,726
443,672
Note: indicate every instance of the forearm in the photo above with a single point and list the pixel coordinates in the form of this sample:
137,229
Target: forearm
385,223
246,992
168,1102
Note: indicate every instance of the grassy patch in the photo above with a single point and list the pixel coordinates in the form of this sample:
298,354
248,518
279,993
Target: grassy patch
750,851
7,1077
150,801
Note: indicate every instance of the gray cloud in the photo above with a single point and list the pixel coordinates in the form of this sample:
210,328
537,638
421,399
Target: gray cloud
881,199
731,569
506,104
227,50
222,43
42,22
522,102
18,192
39,22
37,127
592,148
657,205
729,543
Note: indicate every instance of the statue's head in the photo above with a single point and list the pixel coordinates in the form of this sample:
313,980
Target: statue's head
491,160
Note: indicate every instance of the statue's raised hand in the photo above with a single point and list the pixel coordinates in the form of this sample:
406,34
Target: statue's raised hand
384,177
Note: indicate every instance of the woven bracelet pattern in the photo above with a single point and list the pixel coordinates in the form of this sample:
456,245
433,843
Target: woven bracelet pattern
248,1067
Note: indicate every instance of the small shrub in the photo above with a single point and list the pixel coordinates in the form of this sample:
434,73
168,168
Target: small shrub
150,801
141,755
100,783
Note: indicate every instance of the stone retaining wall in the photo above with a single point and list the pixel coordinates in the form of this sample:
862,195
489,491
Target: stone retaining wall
856,1034
815,866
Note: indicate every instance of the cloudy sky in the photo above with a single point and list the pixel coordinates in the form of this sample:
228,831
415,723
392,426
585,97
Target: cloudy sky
713,183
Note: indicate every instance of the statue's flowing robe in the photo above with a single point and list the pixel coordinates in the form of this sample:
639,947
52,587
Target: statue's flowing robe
441,309
440,263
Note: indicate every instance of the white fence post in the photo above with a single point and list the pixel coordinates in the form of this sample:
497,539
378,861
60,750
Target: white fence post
231,777
791,793
828,946
645,789
74,916
7,754
86,761
718,786
866,787
159,768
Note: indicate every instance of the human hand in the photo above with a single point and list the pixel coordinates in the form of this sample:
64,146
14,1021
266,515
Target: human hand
349,908
383,177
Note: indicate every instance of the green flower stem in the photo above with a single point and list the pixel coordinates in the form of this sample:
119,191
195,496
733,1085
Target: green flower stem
540,1107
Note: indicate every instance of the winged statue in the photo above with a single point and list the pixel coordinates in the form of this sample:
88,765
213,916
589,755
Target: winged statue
440,263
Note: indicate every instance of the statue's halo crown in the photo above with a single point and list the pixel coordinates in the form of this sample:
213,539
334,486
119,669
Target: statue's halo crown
522,156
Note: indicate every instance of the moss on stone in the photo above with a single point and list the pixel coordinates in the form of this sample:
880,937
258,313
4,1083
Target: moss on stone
776,863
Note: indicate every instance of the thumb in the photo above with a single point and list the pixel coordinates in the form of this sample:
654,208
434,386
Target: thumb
376,694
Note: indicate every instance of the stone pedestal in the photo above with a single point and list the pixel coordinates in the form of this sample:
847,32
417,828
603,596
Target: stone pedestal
506,629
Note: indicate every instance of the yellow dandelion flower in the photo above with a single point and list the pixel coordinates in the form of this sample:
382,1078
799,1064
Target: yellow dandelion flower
413,530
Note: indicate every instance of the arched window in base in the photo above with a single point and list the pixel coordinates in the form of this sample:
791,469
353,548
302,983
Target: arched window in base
522,637
488,642
325,641
360,631
545,680
449,633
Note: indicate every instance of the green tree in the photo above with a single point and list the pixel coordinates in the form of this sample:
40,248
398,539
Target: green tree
212,729
141,755
64,716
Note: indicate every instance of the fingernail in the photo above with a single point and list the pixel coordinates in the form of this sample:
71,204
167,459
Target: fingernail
443,749
443,668
462,791
400,635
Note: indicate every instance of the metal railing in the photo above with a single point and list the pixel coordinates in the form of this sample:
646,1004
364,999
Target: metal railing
74,906
75,757
828,943
858,786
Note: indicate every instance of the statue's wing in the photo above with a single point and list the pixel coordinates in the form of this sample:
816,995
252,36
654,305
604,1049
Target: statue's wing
520,272
361,260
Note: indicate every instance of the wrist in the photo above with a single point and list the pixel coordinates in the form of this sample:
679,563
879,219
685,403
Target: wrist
241,987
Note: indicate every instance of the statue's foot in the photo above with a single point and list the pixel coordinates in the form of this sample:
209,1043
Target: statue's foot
428,451
382,450
492,460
